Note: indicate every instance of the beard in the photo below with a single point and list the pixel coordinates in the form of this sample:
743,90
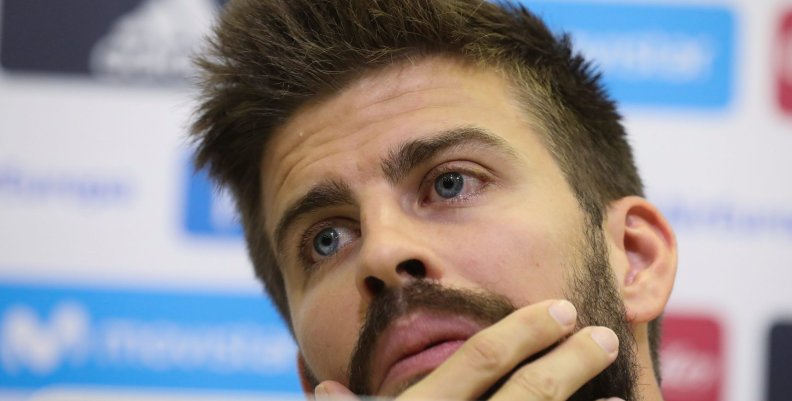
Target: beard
592,290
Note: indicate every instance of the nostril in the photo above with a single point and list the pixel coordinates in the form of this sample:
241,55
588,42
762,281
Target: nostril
413,267
374,285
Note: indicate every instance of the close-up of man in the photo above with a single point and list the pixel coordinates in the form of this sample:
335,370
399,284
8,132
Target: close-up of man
440,199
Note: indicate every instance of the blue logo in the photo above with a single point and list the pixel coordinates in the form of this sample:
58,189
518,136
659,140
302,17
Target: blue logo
653,55
77,188
209,210
53,335
728,217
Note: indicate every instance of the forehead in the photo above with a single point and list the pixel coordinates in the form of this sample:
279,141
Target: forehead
346,135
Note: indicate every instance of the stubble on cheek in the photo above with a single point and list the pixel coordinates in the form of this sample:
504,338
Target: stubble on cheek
515,261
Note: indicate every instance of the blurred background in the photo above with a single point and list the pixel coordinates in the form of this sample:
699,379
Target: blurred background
123,274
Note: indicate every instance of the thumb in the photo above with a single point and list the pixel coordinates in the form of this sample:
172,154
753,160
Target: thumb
333,390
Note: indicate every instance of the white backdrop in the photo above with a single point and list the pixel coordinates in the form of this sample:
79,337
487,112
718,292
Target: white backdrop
95,193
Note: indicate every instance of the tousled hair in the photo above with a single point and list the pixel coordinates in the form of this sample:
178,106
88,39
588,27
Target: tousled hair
268,58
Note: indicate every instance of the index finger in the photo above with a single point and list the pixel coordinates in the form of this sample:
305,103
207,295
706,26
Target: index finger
493,352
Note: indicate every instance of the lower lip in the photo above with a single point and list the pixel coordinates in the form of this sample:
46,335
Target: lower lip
420,363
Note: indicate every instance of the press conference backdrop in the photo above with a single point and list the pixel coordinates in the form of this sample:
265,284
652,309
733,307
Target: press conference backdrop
123,274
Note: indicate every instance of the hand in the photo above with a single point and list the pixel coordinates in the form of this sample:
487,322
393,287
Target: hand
495,351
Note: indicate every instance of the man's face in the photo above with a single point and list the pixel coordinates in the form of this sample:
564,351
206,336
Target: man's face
426,171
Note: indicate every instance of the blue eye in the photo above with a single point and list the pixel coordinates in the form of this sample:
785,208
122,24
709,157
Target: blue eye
449,185
327,241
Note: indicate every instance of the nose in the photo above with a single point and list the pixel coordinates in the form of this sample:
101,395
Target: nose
394,252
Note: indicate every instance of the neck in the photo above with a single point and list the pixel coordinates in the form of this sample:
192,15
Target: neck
648,388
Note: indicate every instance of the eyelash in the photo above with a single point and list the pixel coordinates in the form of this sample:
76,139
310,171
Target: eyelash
427,184
307,239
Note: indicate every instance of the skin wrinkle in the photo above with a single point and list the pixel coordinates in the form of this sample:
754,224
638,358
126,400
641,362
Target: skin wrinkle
312,139
410,154
304,163
361,105
396,97
404,85
365,103
309,139
309,142
399,163
310,136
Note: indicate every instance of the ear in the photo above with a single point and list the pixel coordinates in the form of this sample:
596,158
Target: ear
643,256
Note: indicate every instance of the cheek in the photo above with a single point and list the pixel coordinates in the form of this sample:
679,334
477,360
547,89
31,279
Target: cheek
326,331
509,256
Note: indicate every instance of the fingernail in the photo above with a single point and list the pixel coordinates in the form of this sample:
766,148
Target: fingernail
605,338
320,393
563,312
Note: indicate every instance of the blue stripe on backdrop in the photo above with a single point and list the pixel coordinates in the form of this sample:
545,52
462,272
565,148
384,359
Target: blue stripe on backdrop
81,336
208,211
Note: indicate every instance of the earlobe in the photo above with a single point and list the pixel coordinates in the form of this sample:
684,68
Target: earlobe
648,256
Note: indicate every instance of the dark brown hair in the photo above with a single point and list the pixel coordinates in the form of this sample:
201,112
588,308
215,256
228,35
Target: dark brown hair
267,58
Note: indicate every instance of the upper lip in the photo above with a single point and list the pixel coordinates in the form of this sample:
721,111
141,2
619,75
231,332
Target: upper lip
414,333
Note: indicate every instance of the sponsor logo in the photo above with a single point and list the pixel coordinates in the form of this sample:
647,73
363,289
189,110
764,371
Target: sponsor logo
784,62
780,362
692,358
209,211
121,40
653,55
79,188
153,41
727,217
28,343
125,338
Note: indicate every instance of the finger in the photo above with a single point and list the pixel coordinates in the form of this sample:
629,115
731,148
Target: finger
564,369
332,390
493,352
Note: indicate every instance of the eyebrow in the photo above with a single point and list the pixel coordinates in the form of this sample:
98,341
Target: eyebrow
399,162
402,160
325,194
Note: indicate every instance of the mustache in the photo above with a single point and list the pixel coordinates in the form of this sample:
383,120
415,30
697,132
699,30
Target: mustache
393,303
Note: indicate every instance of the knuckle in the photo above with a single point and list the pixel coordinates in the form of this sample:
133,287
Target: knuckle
539,385
485,353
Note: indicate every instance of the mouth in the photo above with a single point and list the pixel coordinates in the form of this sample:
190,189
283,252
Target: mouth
415,345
